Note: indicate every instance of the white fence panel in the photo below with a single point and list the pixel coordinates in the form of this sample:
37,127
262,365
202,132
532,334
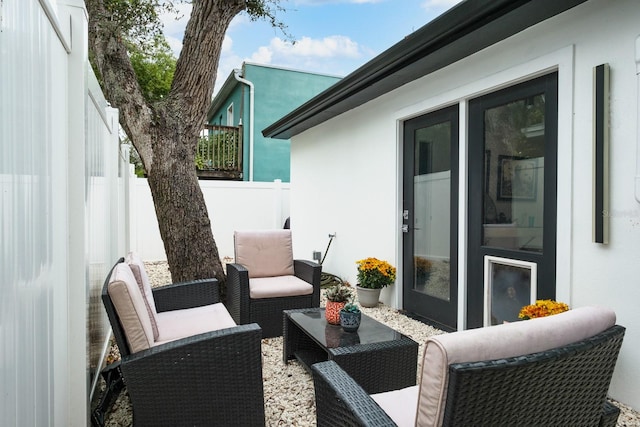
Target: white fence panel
232,205
48,201
32,282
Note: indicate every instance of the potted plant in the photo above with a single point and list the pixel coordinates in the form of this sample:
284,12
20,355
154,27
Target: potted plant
350,317
373,275
337,297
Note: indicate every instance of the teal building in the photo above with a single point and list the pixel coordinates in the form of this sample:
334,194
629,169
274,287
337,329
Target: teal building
254,97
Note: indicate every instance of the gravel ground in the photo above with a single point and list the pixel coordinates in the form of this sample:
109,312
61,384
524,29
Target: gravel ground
289,396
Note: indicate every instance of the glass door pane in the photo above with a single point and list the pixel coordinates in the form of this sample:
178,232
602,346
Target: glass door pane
432,197
514,143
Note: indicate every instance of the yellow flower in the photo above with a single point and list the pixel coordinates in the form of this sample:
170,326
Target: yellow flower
375,274
542,308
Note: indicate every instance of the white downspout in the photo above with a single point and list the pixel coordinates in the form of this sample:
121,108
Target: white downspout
638,120
236,74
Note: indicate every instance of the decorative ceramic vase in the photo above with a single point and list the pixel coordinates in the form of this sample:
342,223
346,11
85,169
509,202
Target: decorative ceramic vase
349,321
332,312
368,297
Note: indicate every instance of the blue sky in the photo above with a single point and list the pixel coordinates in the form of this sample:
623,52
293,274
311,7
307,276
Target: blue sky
332,36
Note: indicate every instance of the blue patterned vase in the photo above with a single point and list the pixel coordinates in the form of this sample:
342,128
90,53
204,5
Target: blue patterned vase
350,322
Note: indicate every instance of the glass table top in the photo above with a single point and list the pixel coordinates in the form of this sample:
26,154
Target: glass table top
315,325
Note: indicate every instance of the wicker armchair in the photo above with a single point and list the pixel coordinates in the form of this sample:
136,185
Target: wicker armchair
563,384
265,280
212,377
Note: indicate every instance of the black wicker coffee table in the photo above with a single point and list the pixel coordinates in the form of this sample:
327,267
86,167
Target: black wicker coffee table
377,357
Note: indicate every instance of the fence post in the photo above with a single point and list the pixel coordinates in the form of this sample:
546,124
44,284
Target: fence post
77,292
277,203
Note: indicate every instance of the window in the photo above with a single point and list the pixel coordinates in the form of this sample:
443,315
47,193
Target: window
230,115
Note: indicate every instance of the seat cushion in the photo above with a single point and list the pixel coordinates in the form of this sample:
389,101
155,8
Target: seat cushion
131,308
496,342
398,405
264,253
177,324
281,286
137,268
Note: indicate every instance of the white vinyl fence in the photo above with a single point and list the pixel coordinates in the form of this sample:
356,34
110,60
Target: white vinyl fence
232,205
62,213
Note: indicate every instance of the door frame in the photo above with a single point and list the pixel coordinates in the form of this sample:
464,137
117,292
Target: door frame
562,61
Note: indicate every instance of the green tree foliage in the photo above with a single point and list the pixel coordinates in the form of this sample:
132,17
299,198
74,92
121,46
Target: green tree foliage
154,69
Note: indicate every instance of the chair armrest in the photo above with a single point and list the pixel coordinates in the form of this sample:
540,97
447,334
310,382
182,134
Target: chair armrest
341,401
310,272
216,376
179,296
237,297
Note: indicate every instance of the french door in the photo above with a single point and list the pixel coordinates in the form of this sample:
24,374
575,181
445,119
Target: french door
512,200
430,212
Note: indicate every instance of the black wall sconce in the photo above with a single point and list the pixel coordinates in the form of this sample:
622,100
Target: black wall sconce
601,154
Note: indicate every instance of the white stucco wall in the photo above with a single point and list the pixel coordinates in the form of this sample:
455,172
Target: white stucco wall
345,173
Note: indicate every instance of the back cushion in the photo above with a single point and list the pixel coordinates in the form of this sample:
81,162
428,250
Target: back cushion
265,253
496,342
137,268
130,307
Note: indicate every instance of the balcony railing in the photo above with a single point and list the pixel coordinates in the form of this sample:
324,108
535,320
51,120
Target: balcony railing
219,153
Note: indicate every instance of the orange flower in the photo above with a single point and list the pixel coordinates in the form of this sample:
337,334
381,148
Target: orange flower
542,308
375,274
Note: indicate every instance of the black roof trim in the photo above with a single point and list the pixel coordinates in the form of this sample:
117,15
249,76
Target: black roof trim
460,32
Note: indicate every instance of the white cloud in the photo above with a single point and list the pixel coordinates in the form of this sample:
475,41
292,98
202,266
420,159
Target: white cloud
333,55
174,25
262,56
227,45
327,47
173,28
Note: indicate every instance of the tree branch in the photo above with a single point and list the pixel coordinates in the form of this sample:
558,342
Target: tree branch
119,81
197,65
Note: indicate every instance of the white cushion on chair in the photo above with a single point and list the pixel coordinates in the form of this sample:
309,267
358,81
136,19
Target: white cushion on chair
264,253
177,324
496,342
137,268
399,404
130,307
282,286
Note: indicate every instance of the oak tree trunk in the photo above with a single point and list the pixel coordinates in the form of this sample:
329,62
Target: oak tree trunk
165,133
181,211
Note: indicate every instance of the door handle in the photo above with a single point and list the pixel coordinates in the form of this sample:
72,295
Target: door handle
406,228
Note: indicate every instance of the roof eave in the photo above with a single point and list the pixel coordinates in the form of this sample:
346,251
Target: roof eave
223,94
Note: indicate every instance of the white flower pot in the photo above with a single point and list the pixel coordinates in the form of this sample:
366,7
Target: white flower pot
368,297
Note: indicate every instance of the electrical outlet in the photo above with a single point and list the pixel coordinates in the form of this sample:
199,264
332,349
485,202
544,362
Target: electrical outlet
317,256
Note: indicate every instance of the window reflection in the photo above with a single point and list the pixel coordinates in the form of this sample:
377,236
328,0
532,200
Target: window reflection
514,175
432,199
